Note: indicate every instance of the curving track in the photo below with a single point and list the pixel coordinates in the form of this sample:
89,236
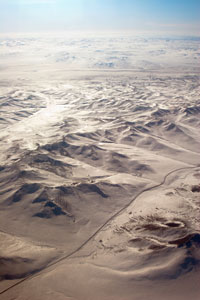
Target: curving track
66,256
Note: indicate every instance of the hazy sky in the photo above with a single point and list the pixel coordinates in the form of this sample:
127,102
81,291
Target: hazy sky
173,16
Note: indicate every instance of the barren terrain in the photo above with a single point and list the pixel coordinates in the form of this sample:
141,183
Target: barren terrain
99,168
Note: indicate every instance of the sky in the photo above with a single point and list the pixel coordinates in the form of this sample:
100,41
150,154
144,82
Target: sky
170,16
